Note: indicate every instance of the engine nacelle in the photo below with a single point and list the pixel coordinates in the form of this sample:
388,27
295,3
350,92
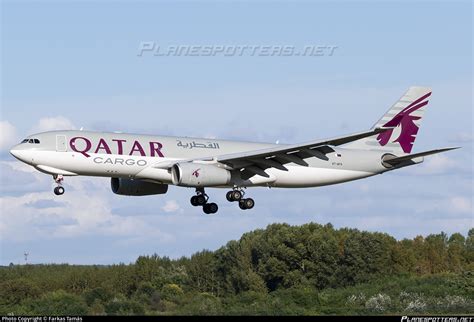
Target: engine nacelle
191,174
129,187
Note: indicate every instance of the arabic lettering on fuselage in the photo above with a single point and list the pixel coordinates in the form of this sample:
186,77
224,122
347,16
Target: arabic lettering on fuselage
197,145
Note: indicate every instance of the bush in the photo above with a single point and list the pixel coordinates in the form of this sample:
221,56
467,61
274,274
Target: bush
171,292
202,304
59,303
97,294
378,303
124,307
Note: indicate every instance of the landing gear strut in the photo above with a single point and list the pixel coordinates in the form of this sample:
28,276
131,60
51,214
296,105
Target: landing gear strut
201,199
59,190
237,195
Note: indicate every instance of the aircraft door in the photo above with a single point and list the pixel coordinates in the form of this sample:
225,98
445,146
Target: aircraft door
61,143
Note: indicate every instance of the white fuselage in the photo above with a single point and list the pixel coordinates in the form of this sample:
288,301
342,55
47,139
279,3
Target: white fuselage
131,156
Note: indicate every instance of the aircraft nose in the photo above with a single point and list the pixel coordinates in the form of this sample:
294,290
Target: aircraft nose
21,155
15,153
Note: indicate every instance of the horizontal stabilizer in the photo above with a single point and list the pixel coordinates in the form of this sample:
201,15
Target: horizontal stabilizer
397,160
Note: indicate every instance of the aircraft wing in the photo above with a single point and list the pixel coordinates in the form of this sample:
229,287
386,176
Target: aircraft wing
255,162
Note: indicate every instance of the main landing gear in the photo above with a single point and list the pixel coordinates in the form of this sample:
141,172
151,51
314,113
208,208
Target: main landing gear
201,199
59,190
237,195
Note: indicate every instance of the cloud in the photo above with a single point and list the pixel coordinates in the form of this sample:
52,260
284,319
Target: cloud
45,203
436,164
171,206
8,136
34,213
18,178
460,205
52,124
463,137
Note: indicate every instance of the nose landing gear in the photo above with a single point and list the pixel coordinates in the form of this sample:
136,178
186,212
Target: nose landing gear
201,199
237,195
59,190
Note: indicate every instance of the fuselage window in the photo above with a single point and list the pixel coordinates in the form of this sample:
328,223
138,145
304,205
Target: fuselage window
37,141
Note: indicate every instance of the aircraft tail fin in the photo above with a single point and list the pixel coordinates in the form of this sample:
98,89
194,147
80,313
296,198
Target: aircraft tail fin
405,117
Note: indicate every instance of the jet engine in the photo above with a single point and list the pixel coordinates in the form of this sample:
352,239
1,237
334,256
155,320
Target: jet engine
129,187
189,174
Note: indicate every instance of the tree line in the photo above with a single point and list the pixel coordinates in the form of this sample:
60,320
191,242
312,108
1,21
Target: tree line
283,269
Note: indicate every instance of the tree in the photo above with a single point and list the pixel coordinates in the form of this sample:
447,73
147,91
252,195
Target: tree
455,252
202,272
469,246
435,248
15,291
365,255
322,258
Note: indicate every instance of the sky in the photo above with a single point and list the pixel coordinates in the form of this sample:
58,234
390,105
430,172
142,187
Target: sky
71,65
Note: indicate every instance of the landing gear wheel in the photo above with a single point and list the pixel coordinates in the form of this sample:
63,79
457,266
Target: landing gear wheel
236,195
200,200
210,208
229,196
249,203
58,191
194,201
245,204
213,207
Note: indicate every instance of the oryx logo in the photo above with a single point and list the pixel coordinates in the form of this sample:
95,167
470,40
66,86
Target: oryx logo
406,121
196,173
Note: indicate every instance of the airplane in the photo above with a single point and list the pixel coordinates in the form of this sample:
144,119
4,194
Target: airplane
140,165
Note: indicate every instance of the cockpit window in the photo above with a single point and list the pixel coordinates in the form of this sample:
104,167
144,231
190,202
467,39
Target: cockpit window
31,141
